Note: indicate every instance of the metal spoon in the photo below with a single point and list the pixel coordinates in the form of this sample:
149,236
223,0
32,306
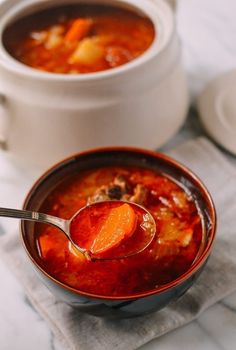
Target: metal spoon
148,226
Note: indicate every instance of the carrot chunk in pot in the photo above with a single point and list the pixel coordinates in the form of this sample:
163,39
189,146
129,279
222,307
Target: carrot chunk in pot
79,29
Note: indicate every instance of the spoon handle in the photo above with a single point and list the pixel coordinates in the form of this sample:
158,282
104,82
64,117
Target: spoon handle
35,216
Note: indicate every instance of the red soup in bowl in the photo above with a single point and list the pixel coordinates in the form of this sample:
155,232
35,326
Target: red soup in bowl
79,38
183,213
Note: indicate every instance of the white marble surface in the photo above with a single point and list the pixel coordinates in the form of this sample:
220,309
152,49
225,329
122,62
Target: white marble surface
204,26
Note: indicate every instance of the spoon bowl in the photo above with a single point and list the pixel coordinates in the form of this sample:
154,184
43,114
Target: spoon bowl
91,218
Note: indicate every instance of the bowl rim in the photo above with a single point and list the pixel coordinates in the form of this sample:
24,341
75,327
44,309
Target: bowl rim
161,156
158,46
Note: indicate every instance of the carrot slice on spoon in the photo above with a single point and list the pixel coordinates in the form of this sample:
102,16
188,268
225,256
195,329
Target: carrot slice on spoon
119,225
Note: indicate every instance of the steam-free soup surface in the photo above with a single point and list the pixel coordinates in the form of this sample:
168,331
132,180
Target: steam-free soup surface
79,39
176,245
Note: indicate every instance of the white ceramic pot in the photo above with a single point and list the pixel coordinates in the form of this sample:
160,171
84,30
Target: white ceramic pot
142,103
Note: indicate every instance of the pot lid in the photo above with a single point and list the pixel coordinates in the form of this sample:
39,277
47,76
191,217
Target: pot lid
217,109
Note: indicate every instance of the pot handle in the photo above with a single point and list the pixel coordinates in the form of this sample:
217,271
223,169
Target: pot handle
3,122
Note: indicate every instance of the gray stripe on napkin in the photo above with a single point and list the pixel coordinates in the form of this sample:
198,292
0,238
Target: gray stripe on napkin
82,332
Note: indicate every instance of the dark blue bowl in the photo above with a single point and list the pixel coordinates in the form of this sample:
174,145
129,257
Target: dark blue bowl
138,304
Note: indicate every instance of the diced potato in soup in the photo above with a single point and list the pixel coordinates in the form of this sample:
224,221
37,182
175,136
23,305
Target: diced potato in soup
88,52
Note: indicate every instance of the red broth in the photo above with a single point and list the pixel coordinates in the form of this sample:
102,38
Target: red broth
79,39
179,236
